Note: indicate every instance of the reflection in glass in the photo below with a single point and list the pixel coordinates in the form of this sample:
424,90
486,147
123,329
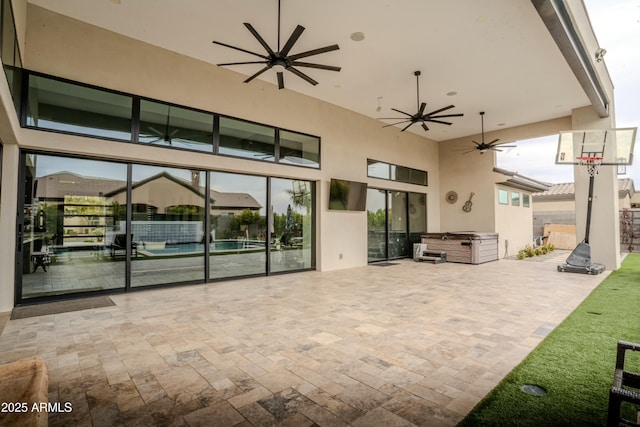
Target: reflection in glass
292,224
417,217
171,126
299,149
503,196
69,223
418,177
376,169
515,198
73,108
244,139
376,224
397,217
238,225
167,227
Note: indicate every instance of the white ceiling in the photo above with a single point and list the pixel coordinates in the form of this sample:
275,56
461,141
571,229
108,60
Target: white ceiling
496,54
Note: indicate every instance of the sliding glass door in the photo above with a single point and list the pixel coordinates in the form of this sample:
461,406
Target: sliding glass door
92,225
238,225
377,224
167,226
69,217
395,220
292,241
397,224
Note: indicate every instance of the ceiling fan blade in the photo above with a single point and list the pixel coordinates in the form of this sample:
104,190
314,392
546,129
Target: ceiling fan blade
422,107
437,121
280,81
402,112
259,38
477,143
445,115
441,109
240,49
407,127
398,123
424,126
314,52
241,63
320,66
494,149
293,38
302,75
257,74
505,146
494,141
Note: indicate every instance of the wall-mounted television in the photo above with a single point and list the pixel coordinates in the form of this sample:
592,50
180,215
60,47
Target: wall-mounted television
347,195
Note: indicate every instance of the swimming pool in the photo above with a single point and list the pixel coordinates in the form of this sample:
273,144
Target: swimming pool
198,248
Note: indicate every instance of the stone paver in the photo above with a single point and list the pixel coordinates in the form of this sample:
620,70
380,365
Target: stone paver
408,344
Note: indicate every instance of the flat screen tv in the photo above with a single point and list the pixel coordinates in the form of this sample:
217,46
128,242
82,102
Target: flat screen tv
347,195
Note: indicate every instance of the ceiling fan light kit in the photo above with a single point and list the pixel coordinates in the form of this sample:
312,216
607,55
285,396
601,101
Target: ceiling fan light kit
420,116
280,60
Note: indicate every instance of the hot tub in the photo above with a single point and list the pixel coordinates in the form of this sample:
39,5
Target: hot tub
468,247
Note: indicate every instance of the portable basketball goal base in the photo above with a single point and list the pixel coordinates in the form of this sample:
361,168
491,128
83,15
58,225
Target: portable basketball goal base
592,149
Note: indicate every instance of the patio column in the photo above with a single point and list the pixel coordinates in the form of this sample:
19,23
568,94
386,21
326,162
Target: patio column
604,235
8,203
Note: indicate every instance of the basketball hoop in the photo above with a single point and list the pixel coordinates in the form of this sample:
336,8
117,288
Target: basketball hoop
592,164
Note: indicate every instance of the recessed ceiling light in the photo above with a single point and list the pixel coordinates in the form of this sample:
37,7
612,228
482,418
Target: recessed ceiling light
357,36
452,93
501,124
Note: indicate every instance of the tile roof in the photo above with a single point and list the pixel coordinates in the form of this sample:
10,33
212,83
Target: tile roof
566,191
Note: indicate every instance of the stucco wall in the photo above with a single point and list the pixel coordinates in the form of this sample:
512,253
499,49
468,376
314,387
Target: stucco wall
513,223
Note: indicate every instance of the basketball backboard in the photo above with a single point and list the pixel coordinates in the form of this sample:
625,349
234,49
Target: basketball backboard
614,146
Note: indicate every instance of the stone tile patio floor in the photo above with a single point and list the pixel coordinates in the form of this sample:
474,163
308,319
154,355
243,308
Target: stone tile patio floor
408,344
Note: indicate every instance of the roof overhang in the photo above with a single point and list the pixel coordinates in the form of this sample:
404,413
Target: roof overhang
559,21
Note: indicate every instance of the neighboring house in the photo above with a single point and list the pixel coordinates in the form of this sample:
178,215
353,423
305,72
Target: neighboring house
514,210
557,205
68,211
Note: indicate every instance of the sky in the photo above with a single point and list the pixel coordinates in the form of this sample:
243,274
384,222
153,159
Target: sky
616,24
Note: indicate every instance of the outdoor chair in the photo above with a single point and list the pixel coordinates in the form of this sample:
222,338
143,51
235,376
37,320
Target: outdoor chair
626,387
119,246
39,256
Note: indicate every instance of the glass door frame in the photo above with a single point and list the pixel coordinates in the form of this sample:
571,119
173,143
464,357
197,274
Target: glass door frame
407,217
20,232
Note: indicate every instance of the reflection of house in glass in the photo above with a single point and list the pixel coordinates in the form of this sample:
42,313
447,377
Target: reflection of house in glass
70,213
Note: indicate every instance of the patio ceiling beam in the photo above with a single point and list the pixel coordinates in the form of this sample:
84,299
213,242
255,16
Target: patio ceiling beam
557,18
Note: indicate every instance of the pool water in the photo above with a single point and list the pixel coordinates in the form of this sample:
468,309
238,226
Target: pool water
198,248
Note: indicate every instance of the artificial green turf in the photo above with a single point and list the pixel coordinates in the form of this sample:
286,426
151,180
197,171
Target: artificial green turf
575,363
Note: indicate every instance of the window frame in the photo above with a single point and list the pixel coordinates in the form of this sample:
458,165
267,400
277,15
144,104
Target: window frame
515,198
134,117
393,169
505,193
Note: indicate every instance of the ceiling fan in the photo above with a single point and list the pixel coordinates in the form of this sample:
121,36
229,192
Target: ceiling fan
420,117
280,60
483,147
